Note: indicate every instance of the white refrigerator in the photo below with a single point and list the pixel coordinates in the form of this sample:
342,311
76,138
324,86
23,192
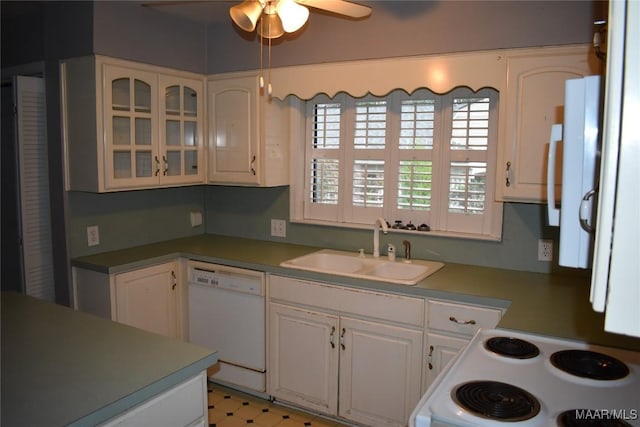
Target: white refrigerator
599,214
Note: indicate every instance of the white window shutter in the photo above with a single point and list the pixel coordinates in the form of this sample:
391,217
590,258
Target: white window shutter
420,158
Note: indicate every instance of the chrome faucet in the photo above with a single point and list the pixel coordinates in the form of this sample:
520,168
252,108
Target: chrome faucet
380,222
407,250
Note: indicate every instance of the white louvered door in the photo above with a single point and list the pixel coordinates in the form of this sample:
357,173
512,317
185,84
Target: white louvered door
33,184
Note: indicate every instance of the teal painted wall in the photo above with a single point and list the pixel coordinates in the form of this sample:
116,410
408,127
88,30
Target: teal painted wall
132,218
49,31
247,212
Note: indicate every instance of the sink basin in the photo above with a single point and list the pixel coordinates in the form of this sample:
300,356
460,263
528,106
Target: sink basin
400,271
327,261
364,267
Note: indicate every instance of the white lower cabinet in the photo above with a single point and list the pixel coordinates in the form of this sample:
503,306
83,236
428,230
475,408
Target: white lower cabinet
450,326
148,298
441,349
331,353
379,372
184,405
303,357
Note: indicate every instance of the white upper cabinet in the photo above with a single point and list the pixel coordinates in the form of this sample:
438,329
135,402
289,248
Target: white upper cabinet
131,126
533,102
181,130
248,133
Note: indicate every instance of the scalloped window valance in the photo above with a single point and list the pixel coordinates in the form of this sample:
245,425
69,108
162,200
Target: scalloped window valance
438,73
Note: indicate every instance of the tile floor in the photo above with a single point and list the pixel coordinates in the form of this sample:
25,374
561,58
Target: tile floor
231,408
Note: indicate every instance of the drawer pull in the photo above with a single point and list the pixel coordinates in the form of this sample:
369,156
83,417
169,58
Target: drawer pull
462,322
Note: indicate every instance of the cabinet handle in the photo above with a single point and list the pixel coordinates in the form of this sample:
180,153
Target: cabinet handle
166,166
175,280
508,179
253,160
157,166
342,339
430,357
462,322
332,337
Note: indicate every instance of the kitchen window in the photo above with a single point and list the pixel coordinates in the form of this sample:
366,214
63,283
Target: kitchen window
422,158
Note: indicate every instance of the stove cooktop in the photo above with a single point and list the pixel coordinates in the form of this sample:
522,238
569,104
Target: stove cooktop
512,378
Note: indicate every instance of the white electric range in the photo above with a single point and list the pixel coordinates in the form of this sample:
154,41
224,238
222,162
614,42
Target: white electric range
517,379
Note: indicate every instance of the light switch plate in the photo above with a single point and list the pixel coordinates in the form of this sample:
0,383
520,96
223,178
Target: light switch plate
93,235
278,228
196,218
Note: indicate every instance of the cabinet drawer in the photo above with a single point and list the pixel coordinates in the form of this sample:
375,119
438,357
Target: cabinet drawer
379,305
461,318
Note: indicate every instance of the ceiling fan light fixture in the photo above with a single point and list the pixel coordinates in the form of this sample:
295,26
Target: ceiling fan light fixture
270,26
247,14
292,15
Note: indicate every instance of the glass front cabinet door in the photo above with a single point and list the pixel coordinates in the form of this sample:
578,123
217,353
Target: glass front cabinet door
181,131
130,124
153,128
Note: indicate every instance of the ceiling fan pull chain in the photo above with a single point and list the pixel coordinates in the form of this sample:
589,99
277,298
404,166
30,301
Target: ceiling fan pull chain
269,65
269,70
261,81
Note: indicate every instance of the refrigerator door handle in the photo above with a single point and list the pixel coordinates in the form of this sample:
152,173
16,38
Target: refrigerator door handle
553,213
586,207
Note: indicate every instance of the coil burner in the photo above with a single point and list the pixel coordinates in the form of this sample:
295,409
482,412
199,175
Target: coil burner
589,364
512,347
495,400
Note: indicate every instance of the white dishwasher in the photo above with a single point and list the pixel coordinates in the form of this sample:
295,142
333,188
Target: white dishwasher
227,314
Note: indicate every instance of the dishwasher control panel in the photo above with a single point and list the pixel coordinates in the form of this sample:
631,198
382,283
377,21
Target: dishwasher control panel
230,278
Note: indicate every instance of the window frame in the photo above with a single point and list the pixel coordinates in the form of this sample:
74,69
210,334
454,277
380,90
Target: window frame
487,226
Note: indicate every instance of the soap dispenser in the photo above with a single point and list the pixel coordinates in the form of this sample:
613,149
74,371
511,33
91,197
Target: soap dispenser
391,252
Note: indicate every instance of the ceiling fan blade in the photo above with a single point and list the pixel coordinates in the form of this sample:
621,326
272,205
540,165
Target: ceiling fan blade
340,7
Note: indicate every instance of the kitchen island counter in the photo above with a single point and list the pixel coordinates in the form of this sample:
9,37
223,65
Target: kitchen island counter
64,367
546,304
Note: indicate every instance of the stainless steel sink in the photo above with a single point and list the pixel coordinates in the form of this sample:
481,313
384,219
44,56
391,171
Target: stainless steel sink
364,267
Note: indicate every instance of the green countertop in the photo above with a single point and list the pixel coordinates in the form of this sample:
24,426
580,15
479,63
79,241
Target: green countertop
546,304
63,367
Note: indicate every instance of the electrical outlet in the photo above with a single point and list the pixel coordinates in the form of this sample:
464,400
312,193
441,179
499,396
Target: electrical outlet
278,228
545,250
93,235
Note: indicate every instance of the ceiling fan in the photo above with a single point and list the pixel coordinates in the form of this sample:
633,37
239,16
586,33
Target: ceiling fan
277,17
274,18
